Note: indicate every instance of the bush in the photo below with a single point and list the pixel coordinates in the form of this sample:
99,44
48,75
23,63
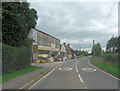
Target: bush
14,58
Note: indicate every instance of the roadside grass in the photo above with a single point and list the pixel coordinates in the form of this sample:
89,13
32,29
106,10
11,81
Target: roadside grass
110,68
6,77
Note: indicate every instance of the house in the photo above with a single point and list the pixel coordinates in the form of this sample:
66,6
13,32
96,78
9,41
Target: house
68,49
63,51
73,52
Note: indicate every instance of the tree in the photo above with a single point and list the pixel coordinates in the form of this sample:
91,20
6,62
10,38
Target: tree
85,53
112,45
0,22
97,50
17,20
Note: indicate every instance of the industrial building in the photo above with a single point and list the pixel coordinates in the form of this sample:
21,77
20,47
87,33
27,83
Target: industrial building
48,46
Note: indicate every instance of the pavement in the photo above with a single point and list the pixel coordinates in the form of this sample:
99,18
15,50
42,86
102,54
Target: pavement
21,81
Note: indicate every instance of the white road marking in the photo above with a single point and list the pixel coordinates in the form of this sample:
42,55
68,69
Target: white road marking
104,71
59,68
34,79
41,79
80,78
27,84
70,68
89,69
76,70
65,69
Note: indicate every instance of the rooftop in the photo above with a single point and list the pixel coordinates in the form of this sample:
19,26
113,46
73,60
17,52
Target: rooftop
47,34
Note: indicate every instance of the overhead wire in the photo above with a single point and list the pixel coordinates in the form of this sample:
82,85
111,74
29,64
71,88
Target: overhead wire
103,31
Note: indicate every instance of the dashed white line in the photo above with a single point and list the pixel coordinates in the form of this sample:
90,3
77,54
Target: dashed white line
76,70
80,78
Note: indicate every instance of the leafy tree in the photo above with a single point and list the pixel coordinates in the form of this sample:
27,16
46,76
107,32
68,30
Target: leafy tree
97,50
85,53
0,22
112,45
17,20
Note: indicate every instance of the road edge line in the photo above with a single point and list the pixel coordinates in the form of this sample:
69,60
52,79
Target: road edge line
41,78
103,71
26,84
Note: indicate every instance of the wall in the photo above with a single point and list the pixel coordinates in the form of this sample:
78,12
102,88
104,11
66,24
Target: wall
47,42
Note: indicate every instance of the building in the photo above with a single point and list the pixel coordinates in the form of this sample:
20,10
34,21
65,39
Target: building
48,46
68,49
73,52
63,52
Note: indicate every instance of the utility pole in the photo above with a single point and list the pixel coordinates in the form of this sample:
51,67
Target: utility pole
80,48
93,46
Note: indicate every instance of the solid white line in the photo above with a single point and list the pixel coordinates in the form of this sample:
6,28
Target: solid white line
26,84
80,78
76,66
76,70
41,79
103,71
33,80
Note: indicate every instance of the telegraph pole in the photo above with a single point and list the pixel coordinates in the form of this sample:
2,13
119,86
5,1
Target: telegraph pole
80,48
93,46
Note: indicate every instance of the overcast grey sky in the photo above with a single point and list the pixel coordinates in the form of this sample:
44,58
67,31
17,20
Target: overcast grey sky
78,23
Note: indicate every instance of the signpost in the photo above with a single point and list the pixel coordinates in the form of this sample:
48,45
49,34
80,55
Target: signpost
35,48
35,53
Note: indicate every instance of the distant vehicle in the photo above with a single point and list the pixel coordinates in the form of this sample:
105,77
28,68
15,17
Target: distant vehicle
73,57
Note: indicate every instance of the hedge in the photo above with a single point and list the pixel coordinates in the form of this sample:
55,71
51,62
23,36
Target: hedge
111,57
15,58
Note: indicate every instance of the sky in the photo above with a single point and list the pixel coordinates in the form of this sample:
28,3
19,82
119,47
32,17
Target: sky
78,23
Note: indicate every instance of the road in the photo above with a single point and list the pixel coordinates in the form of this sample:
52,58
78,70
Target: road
77,74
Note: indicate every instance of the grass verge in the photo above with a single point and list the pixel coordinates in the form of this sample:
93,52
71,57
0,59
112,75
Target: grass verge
110,68
6,77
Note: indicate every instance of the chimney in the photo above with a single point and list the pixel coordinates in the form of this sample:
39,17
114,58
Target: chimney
64,43
68,45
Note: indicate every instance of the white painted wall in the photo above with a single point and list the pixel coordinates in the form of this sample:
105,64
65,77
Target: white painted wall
33,35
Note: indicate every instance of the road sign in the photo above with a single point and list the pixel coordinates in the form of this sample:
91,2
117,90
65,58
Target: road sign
35,48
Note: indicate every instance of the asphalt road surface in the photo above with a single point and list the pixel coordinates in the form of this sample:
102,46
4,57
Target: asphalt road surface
77,74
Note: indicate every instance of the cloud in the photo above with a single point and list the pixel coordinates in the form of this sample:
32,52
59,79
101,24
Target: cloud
78,23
